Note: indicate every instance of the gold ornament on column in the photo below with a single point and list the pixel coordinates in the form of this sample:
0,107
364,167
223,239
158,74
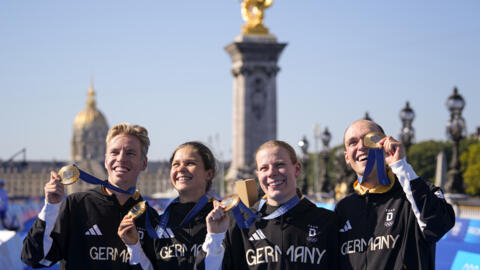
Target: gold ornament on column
252,14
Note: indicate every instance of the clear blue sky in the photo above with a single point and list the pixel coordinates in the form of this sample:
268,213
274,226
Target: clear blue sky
161,64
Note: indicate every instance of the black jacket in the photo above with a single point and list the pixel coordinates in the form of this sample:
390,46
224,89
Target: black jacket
381,231
177,248
303,238
85,234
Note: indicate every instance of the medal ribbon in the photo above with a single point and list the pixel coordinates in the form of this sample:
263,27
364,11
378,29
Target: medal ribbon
375,156
94,180
244,224
166,216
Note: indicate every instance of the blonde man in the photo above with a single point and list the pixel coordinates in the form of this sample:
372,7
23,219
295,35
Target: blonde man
80,230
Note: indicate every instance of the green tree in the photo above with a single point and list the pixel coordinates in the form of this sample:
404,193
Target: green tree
423,157
470,160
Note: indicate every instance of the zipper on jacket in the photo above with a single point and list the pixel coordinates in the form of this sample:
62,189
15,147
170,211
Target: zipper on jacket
367,196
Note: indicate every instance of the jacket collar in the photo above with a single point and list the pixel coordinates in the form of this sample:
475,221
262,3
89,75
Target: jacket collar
377,189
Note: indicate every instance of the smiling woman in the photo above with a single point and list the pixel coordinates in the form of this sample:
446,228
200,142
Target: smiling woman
181,228
192,170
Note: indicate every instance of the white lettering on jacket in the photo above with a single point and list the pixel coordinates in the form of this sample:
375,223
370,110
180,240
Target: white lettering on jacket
268,254
178,250
175,250
373,244
108,254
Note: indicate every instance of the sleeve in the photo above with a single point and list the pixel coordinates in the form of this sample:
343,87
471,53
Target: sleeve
433,214
212,252
147,258
41,247
137,256
216,250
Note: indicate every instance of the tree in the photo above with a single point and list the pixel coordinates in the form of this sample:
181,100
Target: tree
470,160
423,157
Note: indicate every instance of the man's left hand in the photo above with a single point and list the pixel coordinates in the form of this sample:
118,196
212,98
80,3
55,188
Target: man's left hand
393,149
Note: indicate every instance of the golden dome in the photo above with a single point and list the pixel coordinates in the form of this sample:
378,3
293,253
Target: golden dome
90,116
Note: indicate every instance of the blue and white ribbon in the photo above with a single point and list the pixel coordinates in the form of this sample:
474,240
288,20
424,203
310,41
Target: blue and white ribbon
375,156
244,224
157,233
94,180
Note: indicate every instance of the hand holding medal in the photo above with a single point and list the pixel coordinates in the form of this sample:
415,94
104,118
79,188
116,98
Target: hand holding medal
127,230
380,144
54,189
69,174
137,210
375,157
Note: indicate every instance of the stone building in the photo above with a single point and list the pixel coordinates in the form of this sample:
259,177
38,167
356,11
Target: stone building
27,178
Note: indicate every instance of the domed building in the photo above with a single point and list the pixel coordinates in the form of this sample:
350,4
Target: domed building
88,144
26,179
89,131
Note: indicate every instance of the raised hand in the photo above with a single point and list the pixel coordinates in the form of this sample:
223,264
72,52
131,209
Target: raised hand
217,220
54,190
394,150
127,231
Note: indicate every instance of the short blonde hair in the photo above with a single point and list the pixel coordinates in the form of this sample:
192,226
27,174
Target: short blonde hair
137,131
281,144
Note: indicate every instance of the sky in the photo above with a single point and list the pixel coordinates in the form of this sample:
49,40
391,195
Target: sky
162,64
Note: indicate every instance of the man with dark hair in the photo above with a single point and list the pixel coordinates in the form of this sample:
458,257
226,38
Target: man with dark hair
394,218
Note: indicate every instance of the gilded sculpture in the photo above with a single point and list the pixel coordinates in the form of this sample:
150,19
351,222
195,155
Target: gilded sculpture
252,14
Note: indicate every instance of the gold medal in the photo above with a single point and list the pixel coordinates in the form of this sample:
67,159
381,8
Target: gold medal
230,201
137,209
372,138
69,174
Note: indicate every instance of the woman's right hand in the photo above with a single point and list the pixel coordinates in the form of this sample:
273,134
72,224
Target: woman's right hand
217,220
127,231
54,190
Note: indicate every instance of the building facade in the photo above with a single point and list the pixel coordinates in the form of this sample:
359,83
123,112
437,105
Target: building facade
27,178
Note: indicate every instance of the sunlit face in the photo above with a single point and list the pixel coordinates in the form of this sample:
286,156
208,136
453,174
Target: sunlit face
356,153
124,160
277,174
188,174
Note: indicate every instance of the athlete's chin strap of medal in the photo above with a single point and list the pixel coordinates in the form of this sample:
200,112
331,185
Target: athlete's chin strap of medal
244,224
162,224
375,156
94,180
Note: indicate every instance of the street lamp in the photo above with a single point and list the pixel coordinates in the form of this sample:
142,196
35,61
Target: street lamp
367,117
303,144
316,136
326,137
407,134
456,129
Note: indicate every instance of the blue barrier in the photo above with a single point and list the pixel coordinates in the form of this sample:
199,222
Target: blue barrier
460,247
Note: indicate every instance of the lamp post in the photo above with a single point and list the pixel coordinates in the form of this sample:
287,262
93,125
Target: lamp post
326,137
456,129
407,134
303,144
367,117
316,137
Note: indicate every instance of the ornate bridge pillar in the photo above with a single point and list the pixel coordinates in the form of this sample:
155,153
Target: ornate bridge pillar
254,69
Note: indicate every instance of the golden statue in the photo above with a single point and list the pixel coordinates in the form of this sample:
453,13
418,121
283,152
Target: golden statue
252,14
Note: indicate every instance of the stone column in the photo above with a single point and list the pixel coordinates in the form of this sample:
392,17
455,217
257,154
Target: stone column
254,69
